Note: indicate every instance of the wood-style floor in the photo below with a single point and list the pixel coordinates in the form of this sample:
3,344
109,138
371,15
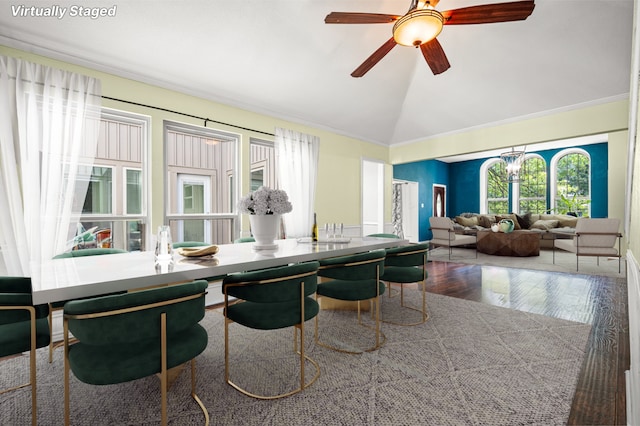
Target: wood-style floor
600,301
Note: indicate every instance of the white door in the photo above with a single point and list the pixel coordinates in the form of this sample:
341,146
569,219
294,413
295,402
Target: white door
372,197
194,196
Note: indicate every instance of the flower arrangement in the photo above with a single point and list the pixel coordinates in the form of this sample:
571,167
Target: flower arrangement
265,201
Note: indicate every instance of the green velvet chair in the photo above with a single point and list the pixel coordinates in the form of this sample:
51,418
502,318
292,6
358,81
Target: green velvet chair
23,328
244,240
271,299
179,244
57,306
129,336
406,265
354,278
383,235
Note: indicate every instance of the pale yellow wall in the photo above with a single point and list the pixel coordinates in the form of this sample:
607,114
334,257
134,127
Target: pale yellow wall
611,119
605,118
338,190
618,148
340,157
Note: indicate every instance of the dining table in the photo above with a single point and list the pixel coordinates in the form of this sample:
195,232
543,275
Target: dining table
87,276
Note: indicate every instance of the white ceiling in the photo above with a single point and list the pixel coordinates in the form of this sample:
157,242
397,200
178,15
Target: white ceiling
279,57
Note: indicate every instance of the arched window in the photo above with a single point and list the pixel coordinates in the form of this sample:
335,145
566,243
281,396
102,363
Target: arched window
495,188
532,188
571,182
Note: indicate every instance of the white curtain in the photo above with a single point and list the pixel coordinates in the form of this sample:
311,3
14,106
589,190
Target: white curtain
297,160
49,123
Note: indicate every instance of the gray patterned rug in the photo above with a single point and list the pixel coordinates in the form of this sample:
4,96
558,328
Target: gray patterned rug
469,364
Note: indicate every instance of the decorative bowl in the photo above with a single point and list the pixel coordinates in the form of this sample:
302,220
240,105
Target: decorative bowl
506,225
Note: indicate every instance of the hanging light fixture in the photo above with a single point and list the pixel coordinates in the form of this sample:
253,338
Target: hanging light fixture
418,26
514,160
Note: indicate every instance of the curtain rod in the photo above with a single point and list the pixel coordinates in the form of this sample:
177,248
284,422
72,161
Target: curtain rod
187,115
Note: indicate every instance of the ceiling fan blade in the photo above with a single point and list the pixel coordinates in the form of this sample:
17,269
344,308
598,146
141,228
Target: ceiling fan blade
374,58
489,13
359,18
435,57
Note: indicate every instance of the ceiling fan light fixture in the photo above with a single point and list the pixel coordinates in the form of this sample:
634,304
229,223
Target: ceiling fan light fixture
417,27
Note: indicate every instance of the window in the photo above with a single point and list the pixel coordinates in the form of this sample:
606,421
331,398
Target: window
200,190
497,187
115,205
133,191
263,164
571,181
532,188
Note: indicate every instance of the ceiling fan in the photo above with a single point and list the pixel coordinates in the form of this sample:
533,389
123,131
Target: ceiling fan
422,23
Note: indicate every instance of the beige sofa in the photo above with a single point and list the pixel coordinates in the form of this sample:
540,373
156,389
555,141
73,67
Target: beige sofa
549,226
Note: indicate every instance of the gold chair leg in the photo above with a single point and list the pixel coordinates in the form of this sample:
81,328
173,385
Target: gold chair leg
32,368
424,315
301,353
66,372
195,396
50,334
163,368
381,338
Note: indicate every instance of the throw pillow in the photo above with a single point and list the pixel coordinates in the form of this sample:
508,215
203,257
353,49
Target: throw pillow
545,225
566,220
486,221
516,224
467,221
524,220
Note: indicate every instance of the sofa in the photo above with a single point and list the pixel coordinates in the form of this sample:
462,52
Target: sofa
549,226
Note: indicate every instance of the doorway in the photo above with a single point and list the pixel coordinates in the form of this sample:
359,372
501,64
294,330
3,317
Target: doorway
439,200
372,197
410,218
194,197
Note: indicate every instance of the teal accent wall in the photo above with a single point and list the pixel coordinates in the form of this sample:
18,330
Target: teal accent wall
463,189
426,173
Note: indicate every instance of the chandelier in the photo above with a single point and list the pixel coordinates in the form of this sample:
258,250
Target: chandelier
514,160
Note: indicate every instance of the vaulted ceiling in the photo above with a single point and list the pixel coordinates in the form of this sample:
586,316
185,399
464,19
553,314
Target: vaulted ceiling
278,57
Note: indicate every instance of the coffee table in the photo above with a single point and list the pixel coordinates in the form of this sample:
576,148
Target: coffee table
520,243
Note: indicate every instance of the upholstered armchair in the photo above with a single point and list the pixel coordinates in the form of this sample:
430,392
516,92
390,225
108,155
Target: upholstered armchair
129,336
407,265
272,299
57,306
23,328
353,278
593,237
444,234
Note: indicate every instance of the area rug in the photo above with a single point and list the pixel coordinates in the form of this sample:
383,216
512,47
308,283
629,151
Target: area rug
564,261
469,364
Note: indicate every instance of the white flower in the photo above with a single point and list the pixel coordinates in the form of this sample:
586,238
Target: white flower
265,201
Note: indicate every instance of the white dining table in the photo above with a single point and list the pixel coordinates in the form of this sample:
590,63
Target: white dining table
76,277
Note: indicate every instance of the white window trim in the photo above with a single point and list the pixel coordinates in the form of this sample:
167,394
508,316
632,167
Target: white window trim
515,188
484,181
553,174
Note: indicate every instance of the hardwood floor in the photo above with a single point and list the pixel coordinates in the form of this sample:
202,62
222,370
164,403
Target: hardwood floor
600,301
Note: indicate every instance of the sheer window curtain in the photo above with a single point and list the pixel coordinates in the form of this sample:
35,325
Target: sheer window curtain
49,123
297,159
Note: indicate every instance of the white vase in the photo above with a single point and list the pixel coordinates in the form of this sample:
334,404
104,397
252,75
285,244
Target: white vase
264,228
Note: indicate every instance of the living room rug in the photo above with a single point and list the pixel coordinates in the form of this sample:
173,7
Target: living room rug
469,364
564,261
